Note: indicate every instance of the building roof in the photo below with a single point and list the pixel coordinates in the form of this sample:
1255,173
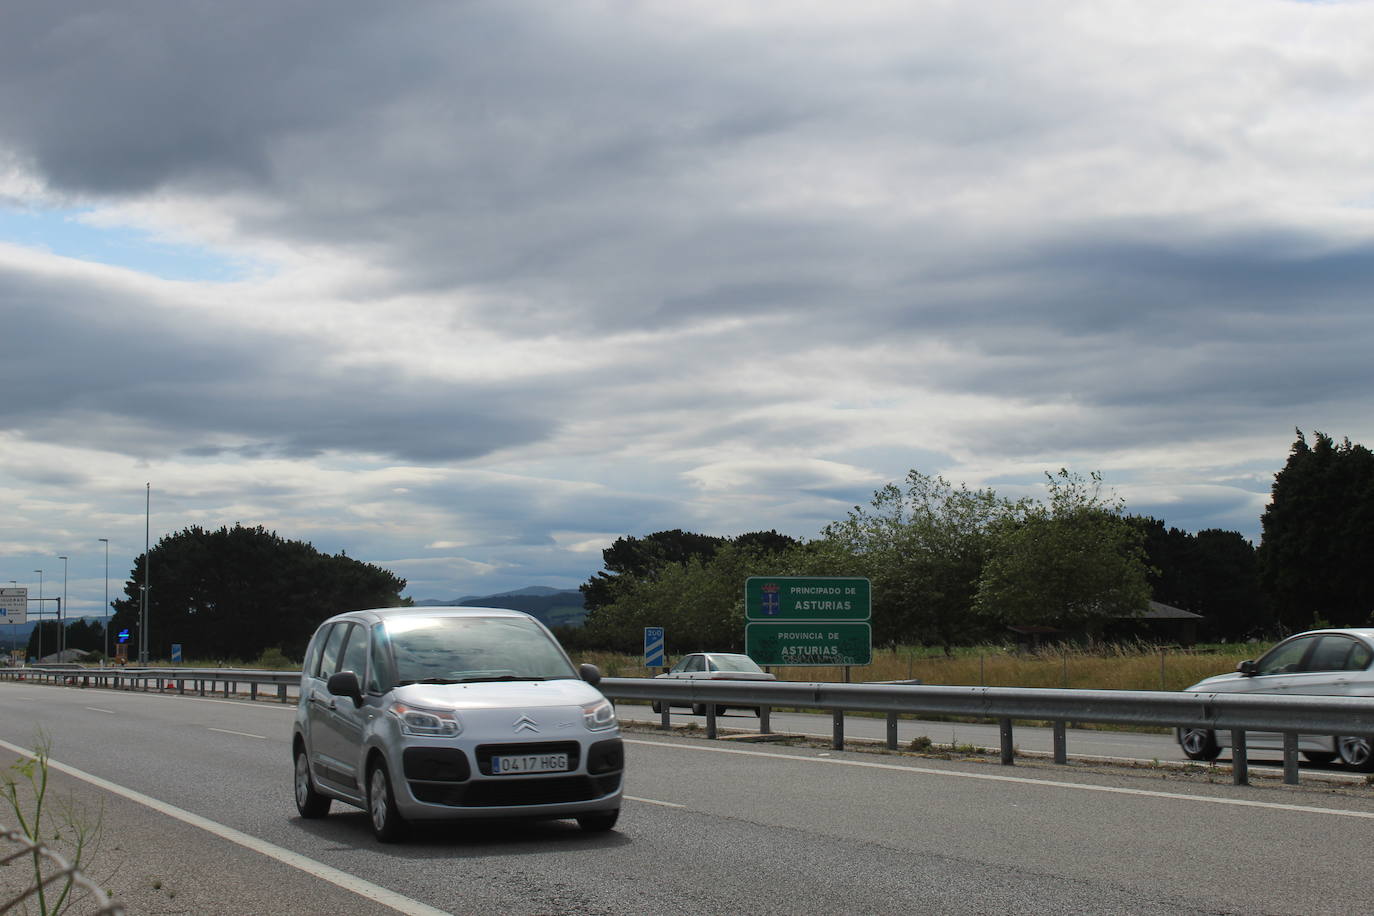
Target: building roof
1159,611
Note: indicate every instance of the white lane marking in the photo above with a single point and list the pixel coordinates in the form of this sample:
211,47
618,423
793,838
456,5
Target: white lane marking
226,731
1022,780
334,876
98,709
653,801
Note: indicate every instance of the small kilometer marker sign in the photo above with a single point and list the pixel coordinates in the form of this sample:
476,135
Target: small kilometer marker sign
653,647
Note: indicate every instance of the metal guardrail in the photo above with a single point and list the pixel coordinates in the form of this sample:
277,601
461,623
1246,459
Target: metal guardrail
201,681
1236,713
59,870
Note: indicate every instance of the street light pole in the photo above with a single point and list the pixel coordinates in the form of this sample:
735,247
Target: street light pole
147,562
40,611
107,598
61,628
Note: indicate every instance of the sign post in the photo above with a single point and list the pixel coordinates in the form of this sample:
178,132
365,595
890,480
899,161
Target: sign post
808,621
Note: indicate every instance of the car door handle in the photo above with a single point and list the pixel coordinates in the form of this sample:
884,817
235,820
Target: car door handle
329,704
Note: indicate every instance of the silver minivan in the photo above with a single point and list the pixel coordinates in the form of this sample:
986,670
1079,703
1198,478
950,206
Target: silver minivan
446,713
1336,663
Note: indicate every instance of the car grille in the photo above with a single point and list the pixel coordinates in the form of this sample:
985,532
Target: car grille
512,792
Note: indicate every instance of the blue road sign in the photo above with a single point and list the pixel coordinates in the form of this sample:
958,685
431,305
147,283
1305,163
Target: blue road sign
176,651
653,647
123,636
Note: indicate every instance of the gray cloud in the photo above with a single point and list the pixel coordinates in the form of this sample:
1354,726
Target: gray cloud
589,255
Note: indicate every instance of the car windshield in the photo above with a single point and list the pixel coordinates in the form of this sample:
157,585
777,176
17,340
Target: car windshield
736,663
457,650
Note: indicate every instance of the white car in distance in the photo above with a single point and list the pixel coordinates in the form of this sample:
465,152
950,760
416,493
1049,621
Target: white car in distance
717,666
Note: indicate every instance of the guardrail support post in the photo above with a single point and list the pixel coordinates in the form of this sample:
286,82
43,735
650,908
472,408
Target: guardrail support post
253,691
710,720
1061,744
1240,760
665,715
281,692
892,731
1290,758
1008,757
837,729
765,720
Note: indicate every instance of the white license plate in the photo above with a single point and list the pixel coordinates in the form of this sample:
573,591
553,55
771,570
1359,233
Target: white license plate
529,763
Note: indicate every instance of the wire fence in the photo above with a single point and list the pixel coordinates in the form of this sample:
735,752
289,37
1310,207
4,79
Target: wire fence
76,893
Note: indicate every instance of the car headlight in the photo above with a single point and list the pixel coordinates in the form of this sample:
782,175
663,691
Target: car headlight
599,715
426,723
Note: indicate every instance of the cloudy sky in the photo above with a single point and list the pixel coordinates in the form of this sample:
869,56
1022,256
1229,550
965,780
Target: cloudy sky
469,289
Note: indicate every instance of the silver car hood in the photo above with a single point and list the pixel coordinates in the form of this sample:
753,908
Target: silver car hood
1220,683
499,694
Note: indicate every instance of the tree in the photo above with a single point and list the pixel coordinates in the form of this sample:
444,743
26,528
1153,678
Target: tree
236,592
923,548
630,559
1214,573
699,601
1318,534
1073,563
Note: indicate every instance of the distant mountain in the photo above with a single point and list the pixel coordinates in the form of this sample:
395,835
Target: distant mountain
553,606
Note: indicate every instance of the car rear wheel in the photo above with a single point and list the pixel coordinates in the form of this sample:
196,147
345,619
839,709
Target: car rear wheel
387,824
1319,756
309,802
599,822
698,709
1199,744
656,706
1356,753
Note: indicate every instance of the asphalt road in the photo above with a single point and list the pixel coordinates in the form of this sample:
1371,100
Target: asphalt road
709,827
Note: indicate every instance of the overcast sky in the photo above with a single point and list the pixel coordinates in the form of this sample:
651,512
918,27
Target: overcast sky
469,289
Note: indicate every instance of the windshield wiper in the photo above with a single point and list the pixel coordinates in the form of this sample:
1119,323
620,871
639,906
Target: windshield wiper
429,680
496,677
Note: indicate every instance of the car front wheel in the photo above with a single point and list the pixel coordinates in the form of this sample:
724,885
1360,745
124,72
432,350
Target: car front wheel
309,802
387,824
1356,753
1199,744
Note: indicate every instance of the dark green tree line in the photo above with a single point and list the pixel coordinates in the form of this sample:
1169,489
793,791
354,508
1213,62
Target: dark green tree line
234,592
1318,534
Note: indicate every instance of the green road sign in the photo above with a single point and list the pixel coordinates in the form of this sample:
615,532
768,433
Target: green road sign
809,643
807,598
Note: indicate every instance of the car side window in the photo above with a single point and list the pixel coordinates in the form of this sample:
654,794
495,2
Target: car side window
1332,653
1360,657
711,665
311,666
355,652
695,663
680,667
1285,658
381,672
329,655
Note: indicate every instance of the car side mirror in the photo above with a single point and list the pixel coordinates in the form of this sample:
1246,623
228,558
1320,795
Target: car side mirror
589,673
345,684
1246,668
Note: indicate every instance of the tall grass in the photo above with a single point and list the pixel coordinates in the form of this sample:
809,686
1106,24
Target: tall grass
1129,667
